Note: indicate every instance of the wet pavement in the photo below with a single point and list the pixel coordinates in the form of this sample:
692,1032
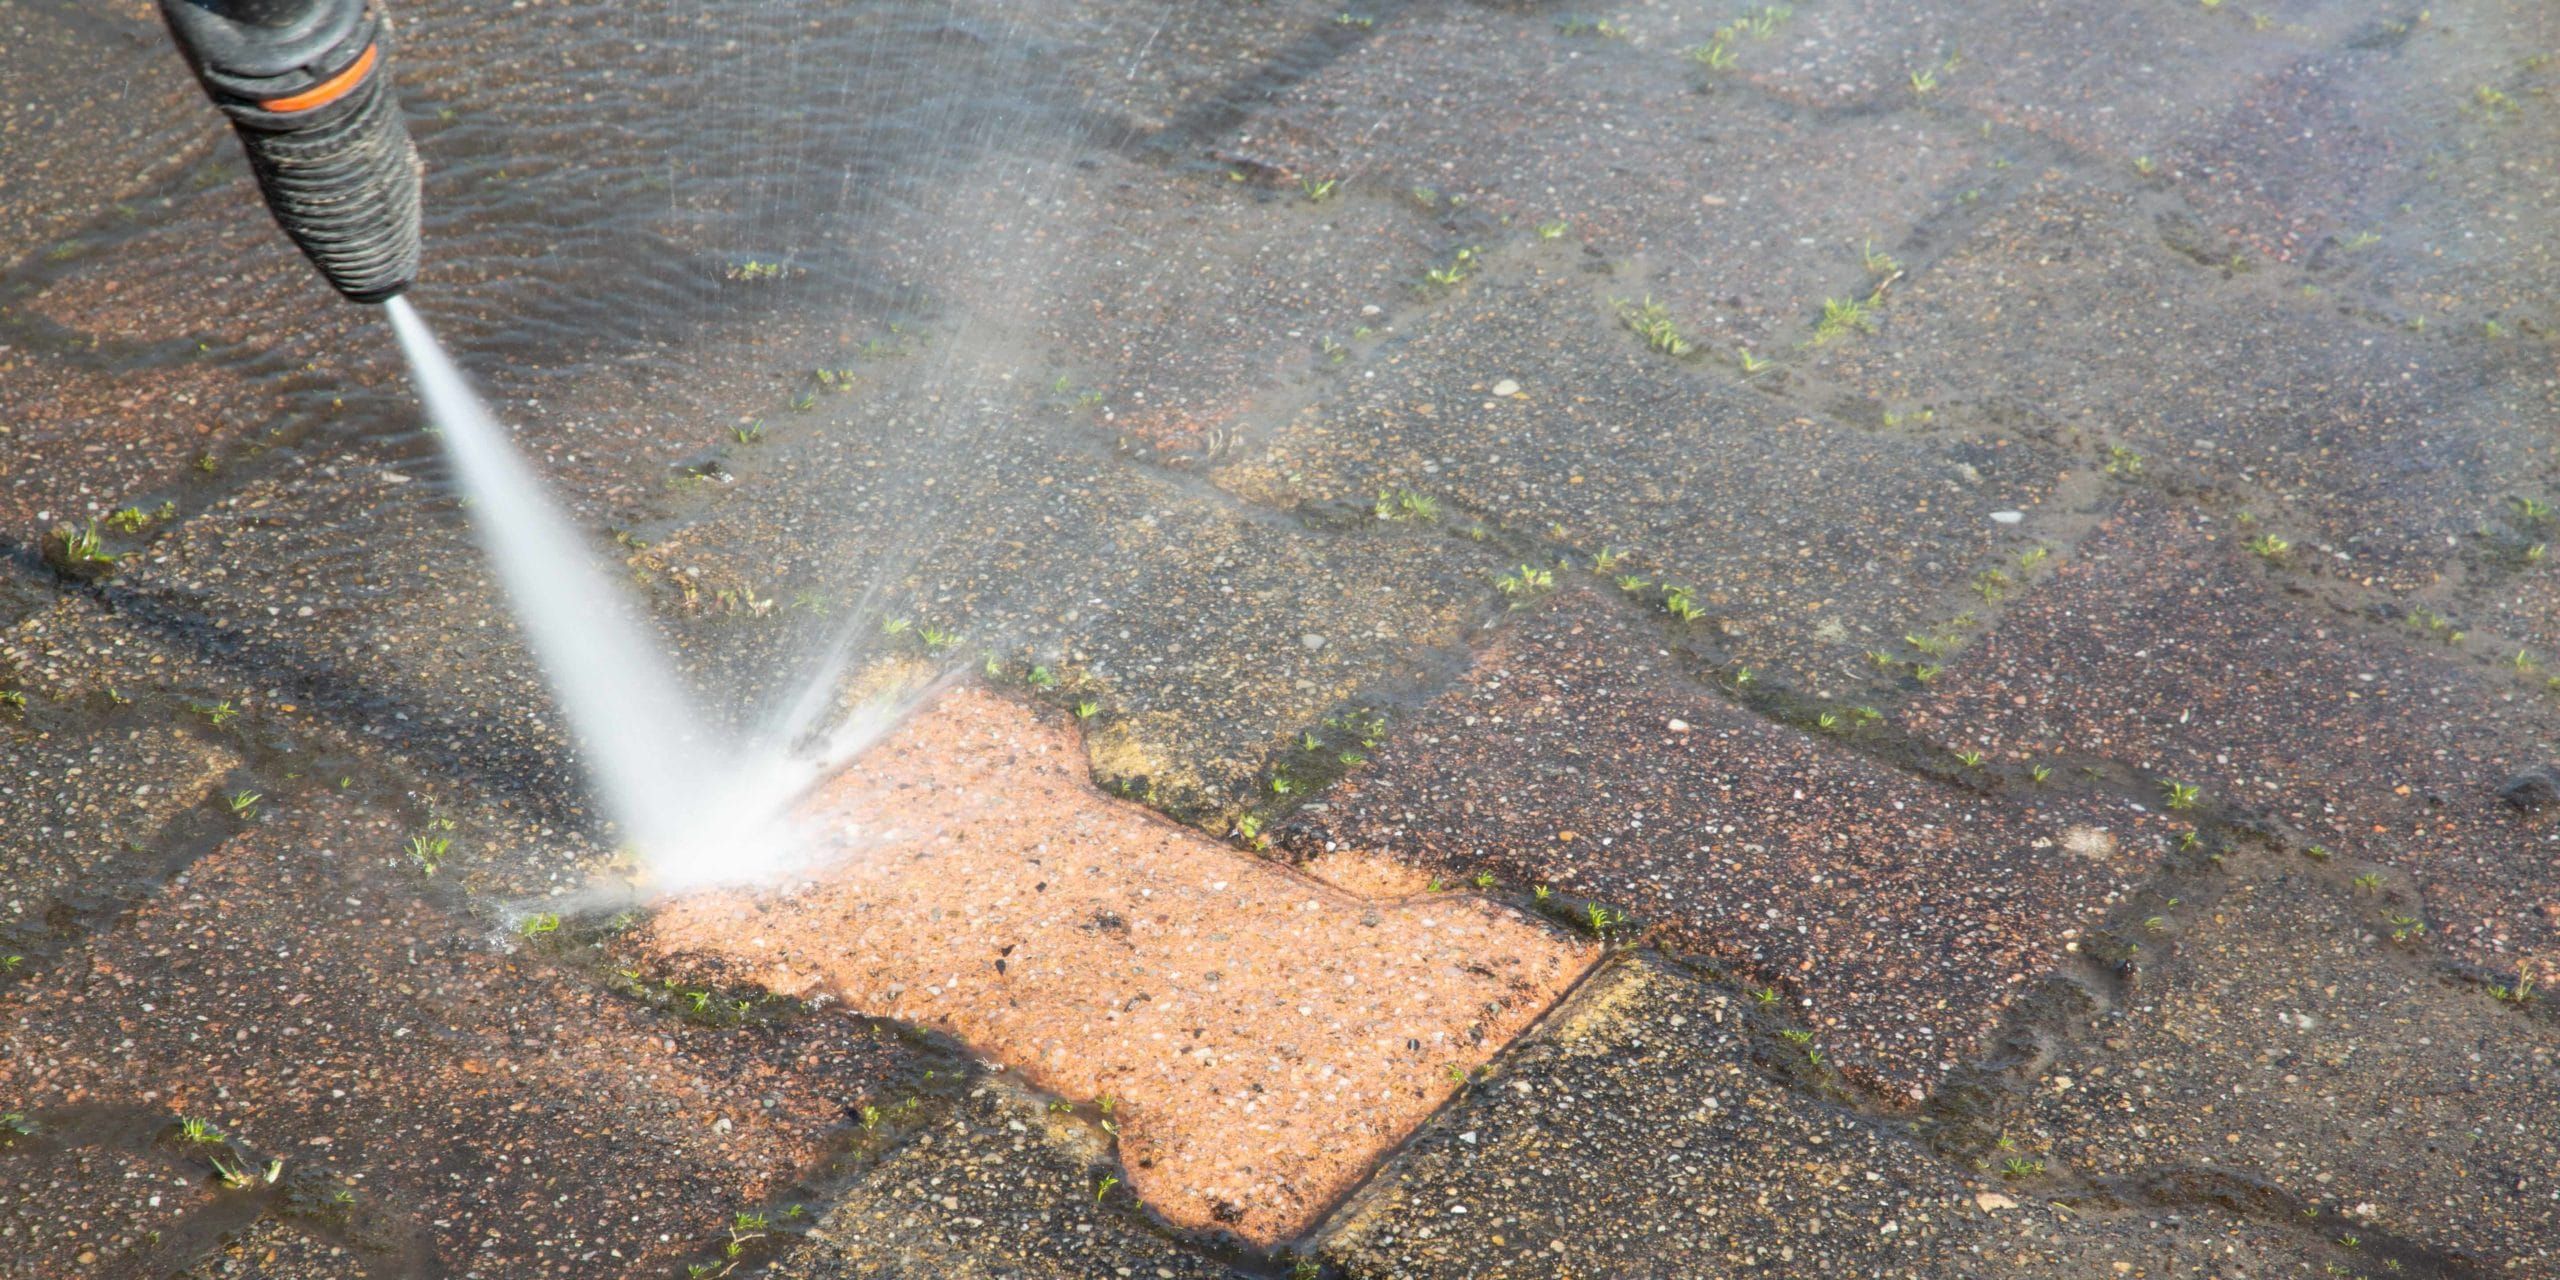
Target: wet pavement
1987,567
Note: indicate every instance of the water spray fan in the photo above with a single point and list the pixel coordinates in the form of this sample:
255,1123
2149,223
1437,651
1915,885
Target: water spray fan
306,86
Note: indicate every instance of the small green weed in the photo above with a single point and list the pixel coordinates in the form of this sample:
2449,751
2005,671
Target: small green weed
1652,321
1843,316
1526,583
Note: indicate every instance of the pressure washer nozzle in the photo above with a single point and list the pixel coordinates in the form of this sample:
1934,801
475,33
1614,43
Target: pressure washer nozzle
306,87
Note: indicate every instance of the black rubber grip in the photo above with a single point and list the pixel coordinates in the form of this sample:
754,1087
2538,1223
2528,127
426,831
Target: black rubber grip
339,174
344,187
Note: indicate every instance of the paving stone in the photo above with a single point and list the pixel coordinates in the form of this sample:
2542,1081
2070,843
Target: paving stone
73,157
2386,159
1024,544
2284,1040
269,1251
1741,214
399,633
90,441
1199,312
1496,1187
1805,539
1263,1036
2197,1239
1003,1188
2383,443
2117,86
93,808
79,1210
1634,1137
515,1121
2517,604
2165,645
1899,915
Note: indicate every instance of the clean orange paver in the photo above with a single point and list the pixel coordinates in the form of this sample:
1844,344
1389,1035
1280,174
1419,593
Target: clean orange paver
1264,1036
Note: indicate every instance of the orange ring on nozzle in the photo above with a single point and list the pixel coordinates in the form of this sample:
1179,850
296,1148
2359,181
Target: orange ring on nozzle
331,89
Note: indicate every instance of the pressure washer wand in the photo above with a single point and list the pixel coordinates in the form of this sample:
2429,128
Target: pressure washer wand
306,87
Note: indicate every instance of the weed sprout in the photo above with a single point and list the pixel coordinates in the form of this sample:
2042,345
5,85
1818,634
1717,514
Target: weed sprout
1405,504
1713,55
1841,316
2267,546
1527,583
1459,268
1652,321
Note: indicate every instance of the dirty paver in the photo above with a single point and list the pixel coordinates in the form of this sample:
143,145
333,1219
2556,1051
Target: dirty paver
1900,913
2160,356
1633,1136
2284,1039
124,1200
1623,151
1805,539
501,1116
1261,1036
1005,1186
92,803
2165,644
109,440
2112,86
136,123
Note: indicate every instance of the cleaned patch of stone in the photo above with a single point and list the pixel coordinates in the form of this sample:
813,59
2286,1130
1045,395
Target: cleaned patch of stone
1256,1037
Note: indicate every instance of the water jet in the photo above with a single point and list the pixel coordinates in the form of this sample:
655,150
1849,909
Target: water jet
306,86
